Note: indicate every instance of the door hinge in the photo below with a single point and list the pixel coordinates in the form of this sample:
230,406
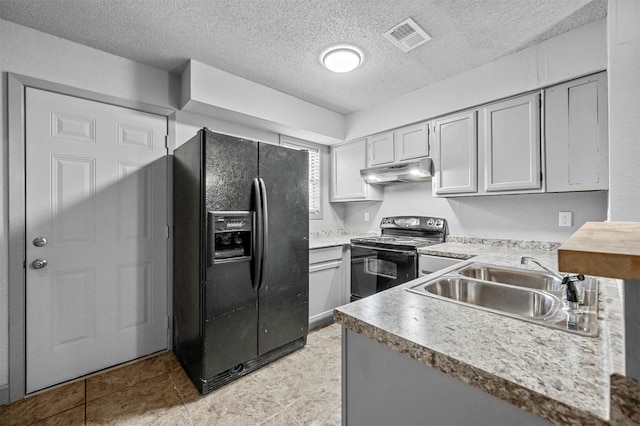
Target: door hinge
167,232
540,176
168,322
166,142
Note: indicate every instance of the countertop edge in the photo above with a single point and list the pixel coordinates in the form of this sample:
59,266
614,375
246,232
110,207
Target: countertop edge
520,396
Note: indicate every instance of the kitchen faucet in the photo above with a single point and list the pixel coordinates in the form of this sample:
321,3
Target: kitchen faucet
568,280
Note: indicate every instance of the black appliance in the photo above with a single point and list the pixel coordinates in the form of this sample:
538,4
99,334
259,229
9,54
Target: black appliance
241,256
385,261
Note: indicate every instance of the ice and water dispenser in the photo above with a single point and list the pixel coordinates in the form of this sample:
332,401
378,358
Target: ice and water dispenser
230,236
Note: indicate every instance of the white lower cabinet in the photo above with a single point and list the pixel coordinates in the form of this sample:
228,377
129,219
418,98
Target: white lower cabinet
328,287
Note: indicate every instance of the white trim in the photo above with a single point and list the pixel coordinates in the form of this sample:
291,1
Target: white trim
4,395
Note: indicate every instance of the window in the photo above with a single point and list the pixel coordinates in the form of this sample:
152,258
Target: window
315,200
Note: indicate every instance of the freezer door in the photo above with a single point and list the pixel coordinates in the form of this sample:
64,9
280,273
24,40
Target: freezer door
283,307
231,303
231,164
230,317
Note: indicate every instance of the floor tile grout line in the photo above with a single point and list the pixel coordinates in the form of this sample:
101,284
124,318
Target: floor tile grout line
124,388
53,415
292,416
184,406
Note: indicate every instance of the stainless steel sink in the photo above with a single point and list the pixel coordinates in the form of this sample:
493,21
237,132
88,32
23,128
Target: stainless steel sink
512,276
534,296
505,299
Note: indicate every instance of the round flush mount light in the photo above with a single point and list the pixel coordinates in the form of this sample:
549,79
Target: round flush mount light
341,58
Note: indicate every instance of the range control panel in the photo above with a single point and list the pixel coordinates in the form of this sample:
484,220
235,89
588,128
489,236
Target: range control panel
413,222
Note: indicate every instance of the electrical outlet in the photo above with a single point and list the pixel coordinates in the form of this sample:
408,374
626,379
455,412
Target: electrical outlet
565,219
366,216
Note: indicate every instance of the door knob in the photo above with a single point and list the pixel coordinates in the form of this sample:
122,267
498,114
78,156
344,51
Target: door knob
39,263
40,241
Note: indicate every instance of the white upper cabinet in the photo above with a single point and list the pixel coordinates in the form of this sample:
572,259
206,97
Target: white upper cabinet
381,149
512,146
455,154
400,145
411,142
576,140
494,149
346,184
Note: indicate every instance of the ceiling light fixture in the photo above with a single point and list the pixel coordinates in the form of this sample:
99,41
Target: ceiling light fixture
342,58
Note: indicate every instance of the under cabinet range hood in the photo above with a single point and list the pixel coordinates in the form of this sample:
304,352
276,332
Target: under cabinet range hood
413,171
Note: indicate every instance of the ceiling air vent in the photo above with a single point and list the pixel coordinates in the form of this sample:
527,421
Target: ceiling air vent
407,35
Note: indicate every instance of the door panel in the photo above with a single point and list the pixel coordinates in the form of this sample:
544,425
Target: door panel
73,182
73,308
95,189
283,297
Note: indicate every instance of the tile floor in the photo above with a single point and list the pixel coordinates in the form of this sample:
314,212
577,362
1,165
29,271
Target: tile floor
300,389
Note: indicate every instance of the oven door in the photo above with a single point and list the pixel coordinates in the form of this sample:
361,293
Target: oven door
377,269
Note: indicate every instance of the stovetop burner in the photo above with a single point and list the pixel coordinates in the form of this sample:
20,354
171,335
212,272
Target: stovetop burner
407,233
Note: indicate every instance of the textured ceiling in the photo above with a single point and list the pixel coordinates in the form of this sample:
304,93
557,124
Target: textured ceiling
277,43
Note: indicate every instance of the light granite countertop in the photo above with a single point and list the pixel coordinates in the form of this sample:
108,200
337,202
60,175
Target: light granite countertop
334,237
560,376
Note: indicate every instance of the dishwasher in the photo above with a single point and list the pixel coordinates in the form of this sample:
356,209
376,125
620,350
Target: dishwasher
429,264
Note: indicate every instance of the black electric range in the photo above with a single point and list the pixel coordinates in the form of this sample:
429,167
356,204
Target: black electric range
381,262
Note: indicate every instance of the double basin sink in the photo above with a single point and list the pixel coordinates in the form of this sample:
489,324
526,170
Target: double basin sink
518,293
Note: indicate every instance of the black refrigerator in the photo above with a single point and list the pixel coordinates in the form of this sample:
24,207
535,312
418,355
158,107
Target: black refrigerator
241,256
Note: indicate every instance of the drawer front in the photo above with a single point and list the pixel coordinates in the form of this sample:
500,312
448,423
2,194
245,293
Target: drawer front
325,254
429,264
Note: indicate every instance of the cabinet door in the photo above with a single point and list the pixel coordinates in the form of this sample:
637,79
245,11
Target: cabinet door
327,285
512,144
455,154
381,149
576,141
412,142
346,184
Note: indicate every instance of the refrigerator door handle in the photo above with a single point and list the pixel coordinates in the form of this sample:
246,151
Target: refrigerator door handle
258,236
264,228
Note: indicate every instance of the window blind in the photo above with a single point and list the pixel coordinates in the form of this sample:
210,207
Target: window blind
315,204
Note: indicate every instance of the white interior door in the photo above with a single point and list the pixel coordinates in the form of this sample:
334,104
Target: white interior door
96,191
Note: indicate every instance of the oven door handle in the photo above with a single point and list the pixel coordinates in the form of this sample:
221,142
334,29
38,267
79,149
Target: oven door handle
407,252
